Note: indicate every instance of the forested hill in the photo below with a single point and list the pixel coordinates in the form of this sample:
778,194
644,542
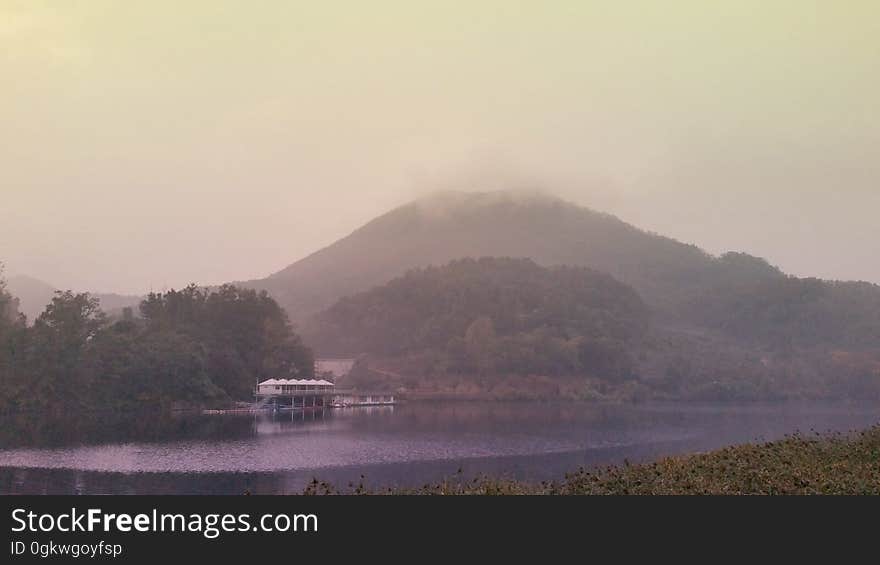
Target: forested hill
794,312
491,314
451,225
736,294
497,326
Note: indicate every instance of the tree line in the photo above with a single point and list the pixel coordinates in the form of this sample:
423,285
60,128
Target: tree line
188,347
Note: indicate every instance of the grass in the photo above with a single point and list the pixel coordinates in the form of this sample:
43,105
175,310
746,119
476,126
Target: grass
841,464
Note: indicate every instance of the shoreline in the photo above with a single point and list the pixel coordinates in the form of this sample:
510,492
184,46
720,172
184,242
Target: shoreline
821,464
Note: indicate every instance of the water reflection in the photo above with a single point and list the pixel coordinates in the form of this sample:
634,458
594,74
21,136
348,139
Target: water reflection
407,444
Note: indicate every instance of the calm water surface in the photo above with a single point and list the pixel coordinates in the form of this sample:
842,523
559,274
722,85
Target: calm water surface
409,444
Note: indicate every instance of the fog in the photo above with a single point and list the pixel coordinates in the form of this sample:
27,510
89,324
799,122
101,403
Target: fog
150,144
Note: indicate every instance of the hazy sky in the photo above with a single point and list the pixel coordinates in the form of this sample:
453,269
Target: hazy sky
150,144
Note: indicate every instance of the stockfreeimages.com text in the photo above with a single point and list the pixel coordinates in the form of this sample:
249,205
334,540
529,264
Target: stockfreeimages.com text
209,525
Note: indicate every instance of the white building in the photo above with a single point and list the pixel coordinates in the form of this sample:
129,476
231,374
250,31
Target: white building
293,386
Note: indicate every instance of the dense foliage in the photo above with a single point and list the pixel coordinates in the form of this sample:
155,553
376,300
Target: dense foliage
836,464
191,346
9,305
12,328
492,315
789,312
474,327
246,336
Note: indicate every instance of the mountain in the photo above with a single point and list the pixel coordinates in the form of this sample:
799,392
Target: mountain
735,296
434,230
34,294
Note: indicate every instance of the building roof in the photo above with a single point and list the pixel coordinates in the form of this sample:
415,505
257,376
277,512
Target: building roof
307,382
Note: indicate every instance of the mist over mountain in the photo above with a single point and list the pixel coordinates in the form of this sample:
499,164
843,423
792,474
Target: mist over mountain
450,225
729,326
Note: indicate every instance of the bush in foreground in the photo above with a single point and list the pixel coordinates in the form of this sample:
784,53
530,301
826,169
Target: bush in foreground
829,464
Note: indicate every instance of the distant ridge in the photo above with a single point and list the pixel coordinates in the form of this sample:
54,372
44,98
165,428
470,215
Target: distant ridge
34,294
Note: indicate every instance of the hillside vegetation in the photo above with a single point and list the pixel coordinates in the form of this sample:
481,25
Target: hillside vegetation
509,328
492,315
789,312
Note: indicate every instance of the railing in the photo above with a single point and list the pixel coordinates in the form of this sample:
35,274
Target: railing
326,391
294,390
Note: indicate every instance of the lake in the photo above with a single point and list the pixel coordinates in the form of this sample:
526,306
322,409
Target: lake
404,445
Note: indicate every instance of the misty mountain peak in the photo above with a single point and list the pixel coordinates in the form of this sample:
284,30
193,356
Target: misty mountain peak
451,201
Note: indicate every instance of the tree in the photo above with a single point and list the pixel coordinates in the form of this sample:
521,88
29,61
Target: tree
135,368
8,304
245,335
12,334
58,342
479,340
